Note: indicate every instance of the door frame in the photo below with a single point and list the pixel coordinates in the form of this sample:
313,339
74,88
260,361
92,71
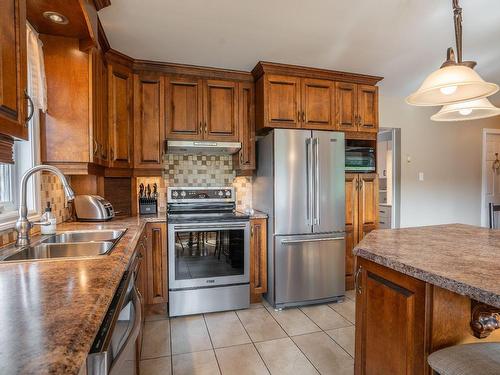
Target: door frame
486,132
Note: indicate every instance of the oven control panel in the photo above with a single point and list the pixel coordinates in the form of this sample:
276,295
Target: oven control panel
200,194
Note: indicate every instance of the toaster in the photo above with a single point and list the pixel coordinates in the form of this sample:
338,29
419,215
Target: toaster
93,208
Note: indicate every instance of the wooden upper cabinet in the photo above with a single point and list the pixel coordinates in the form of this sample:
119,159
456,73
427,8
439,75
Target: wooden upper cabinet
120,116
149,122
184,108
281,101
99,105
221,110
13,110
347,106
245,159
318,104
390,322
368,108
368,203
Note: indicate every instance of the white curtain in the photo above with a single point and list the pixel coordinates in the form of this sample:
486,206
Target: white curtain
37,84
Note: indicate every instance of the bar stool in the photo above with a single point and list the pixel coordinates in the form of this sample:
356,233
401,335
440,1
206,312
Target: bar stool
467,359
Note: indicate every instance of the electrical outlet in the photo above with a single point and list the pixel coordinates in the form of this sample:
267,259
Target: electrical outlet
420,176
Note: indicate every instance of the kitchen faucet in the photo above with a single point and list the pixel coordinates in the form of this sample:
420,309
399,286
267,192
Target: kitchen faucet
23,225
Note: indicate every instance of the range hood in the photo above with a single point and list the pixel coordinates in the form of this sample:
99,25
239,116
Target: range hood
203,147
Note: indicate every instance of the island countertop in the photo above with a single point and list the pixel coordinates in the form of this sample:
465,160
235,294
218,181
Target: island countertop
461,258
51,310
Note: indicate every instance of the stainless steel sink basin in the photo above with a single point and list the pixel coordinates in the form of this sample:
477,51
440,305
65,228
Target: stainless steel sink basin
61,250
86,236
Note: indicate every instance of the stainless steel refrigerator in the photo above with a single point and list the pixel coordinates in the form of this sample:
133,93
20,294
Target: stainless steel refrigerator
300,184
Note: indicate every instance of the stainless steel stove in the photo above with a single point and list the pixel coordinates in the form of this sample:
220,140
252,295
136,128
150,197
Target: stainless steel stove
209,251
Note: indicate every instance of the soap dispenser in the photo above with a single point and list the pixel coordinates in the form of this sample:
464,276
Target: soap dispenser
49,218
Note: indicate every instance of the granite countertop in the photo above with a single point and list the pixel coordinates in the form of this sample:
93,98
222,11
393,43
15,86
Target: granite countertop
461,258
51,310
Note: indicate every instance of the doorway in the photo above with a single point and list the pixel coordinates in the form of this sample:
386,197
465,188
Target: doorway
490,191
389,175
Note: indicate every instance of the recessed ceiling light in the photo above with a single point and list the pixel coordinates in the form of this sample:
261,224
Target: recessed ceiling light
56,17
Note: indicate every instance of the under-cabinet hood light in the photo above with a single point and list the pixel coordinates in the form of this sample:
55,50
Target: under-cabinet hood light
56,17
455,81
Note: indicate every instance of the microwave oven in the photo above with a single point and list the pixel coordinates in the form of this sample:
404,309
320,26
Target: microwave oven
360,159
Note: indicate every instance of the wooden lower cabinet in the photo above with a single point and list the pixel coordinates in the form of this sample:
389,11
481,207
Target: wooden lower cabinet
156,263
390,321
141,284
361,210
258,259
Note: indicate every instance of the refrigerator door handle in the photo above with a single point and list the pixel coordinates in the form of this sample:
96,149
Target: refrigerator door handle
312,240
316,181
309,181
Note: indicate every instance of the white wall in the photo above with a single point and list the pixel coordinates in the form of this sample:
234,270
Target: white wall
449,154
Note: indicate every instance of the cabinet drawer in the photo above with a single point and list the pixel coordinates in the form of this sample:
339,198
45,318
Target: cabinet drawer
384,211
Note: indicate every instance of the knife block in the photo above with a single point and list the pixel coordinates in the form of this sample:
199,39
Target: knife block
148,206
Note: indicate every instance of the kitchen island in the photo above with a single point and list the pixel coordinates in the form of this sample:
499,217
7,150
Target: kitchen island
52,309
419,289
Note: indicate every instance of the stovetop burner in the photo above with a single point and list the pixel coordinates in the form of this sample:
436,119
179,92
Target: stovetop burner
202,204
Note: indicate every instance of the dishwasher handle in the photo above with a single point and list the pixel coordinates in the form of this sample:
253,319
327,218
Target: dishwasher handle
134,332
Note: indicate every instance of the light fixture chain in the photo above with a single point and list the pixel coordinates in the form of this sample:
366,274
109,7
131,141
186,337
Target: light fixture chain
457,16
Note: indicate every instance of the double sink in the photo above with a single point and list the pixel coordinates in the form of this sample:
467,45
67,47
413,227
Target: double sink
70,244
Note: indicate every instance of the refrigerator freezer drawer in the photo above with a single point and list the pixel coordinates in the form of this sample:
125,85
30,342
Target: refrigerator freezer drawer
309,268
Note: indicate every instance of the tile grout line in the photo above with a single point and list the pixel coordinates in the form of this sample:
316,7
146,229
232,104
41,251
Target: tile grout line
251,340
343,316
212,344
291,339
171,347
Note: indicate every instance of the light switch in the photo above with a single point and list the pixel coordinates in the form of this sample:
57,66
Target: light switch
420,176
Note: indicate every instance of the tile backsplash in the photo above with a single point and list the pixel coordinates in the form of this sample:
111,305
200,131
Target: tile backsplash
206,170
199,170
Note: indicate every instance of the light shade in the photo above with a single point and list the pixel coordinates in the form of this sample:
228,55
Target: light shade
451,84
473,110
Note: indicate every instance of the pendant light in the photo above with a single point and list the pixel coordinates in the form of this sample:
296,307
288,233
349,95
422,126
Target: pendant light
455,81
471,110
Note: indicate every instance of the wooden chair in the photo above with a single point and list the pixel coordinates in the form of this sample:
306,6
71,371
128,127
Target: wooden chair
467,359
493,209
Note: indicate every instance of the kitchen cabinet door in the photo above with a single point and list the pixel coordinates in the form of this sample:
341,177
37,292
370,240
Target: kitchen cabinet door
120,116
351,225
220,110
149,122
318,104
282,101
156,260
98,107
368,108
390,322
258,259
13,109
244,161
184,108
368,204
346,104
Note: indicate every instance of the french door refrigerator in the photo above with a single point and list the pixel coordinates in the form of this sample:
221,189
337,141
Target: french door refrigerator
300,184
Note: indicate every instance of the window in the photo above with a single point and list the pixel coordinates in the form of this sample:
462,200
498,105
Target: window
26,153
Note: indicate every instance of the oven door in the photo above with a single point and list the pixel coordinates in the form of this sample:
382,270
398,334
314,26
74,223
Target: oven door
208,254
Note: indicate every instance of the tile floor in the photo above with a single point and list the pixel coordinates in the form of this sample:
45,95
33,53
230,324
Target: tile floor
308,340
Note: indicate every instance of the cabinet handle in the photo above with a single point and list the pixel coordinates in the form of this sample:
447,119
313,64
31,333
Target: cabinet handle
112,153
303,116
31,105
206,131
357,286
96,147
201,127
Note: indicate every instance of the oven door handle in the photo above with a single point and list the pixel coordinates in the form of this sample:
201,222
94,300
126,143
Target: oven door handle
213,227
134,332
312,240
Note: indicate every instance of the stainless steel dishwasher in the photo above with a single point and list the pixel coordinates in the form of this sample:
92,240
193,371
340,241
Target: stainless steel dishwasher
114,348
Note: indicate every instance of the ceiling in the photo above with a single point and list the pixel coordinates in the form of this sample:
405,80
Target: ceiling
402,40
